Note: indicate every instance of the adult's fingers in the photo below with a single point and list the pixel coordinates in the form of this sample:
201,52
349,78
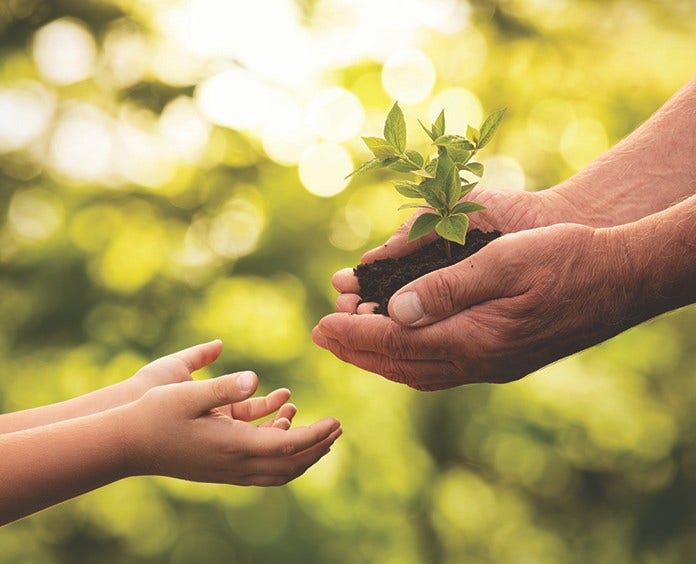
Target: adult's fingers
378,333
425,375
486,275
347,303
345,281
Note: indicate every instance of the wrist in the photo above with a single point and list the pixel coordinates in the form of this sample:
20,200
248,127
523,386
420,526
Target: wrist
656,257
130,441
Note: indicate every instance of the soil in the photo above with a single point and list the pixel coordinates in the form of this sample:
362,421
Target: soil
381,279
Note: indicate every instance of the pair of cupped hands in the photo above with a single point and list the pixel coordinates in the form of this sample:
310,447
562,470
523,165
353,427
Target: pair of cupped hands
536,294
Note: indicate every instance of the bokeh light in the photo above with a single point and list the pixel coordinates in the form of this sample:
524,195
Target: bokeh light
82,143
65,51
462,107
408,76
336,114
323,169
174,171
26,111
583,139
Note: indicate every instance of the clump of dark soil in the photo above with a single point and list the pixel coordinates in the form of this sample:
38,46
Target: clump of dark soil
381,279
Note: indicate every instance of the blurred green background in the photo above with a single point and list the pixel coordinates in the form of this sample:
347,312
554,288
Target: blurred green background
172,172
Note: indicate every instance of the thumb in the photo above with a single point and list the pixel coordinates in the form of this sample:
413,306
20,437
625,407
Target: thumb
223,390
447,291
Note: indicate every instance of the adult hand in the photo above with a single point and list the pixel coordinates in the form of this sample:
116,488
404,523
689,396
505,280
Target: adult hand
523,301
505,211
184,430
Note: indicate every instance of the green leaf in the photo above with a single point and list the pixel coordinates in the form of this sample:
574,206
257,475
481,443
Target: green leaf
473,134
431,167
422,172
402,165
408,189
452,187
466,188
454,141
395,128
459,156
379,147
444,165
406,206
430,133
439,125
423,225
373,165
490,126
476,168
431,190
467,207
453,228
415,157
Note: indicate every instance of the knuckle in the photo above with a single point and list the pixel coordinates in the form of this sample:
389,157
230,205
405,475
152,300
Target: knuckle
287,450
396,344
219,389
442,290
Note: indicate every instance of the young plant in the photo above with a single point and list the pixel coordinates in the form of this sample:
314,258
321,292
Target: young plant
439,182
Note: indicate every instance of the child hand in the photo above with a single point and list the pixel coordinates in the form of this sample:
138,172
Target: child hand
201,431
175,367
178,367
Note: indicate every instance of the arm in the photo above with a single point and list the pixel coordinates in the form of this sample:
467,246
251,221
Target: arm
648,171
180,430
196,430
524,301
176,367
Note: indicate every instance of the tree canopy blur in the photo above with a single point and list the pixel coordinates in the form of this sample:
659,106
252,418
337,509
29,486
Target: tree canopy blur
174,171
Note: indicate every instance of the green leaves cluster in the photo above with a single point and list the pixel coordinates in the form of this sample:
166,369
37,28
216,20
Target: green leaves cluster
439,182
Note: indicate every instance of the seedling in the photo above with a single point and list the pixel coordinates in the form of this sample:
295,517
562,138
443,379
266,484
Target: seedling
439,181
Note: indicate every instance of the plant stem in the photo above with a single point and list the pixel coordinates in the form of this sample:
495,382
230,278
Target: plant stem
448,249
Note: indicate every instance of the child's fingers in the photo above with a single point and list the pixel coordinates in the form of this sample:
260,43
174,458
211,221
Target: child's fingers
282,419
216,392
190,359
282,423
254,408
294,440
280,470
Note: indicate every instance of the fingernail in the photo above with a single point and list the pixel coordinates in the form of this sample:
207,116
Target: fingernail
407,308
245,381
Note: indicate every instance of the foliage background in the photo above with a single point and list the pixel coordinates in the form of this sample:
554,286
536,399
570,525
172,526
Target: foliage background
143,210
